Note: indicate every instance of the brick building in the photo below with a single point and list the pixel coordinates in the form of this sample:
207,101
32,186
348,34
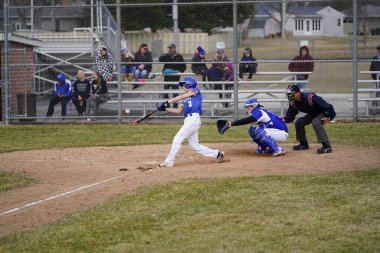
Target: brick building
21,70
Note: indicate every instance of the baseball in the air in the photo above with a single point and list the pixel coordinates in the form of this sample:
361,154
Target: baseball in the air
127,111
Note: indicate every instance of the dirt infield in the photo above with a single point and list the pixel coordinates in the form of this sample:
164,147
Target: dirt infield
70,180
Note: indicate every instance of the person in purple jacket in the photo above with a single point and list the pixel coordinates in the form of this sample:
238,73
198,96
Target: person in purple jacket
318,113
62,94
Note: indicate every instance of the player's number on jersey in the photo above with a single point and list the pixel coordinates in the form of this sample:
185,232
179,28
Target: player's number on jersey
189,103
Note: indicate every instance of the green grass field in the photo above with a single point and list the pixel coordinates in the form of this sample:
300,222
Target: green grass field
330,212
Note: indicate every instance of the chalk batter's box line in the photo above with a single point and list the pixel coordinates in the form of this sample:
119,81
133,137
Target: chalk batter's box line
58,196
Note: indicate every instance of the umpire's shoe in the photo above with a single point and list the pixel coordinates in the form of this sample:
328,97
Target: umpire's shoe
301,146
324,149
220,157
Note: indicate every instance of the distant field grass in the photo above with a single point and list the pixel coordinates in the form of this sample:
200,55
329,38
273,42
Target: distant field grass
334,212
30,137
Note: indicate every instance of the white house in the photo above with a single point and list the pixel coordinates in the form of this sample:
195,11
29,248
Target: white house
300,21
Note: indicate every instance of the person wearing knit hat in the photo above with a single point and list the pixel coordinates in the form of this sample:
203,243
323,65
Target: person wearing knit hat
247,64
199,68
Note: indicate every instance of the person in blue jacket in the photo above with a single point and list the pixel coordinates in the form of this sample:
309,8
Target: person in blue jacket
318,113
62,94
270,128
190,104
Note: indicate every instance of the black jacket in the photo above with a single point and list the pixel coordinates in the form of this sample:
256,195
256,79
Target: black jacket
311,104
173,58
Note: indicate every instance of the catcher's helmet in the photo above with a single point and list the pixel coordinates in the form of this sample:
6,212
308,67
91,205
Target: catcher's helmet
60,78
290,91
251,102
188,82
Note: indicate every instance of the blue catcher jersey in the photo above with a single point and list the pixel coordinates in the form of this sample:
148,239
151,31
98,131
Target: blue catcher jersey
193,104
267,119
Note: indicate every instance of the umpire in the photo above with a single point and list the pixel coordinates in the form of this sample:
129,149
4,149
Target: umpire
318,112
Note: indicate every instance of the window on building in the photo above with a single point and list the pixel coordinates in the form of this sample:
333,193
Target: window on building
29,26
316,23
299,25
18,26
339,22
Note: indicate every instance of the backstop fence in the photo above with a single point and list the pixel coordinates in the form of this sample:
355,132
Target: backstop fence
235,49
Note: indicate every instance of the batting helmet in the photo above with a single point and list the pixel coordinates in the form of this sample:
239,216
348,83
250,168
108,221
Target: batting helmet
251,102
188,82
60,78
290,91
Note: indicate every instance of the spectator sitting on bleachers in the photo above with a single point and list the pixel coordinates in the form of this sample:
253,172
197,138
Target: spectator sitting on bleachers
127,70
104,63
99,94
142,69
228,75
62,94
215,74
247,65
221,57
199,68
82,90
302,63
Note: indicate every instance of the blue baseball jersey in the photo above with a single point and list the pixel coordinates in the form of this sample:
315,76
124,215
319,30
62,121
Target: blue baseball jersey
267,119
193,104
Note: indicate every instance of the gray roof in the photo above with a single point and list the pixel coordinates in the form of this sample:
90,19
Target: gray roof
21,39
262,9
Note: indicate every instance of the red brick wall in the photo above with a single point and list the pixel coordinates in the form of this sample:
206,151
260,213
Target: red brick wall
20,77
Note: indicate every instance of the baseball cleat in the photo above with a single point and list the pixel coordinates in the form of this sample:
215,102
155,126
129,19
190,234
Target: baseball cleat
220,157
279,151
165,165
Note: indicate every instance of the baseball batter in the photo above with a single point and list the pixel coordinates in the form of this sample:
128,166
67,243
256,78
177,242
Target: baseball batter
190,103
270,130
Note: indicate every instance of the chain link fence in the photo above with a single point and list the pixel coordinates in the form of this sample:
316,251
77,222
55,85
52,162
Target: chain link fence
115,55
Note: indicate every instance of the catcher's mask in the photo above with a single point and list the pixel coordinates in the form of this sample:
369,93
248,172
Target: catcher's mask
290,91
251,102
188,82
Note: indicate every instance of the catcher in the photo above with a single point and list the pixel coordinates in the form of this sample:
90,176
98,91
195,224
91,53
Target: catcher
270,130
190,104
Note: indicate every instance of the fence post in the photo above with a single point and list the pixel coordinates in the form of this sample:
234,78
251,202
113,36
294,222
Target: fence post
235,60
355,60
6,62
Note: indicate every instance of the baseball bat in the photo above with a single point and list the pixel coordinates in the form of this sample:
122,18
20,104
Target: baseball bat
145,117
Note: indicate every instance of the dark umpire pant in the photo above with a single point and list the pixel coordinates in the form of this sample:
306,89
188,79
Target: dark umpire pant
316,121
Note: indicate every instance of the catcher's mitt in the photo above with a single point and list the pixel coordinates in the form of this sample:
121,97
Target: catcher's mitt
222,125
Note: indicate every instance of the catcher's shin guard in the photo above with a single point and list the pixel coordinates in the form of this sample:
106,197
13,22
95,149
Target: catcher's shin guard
264,140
